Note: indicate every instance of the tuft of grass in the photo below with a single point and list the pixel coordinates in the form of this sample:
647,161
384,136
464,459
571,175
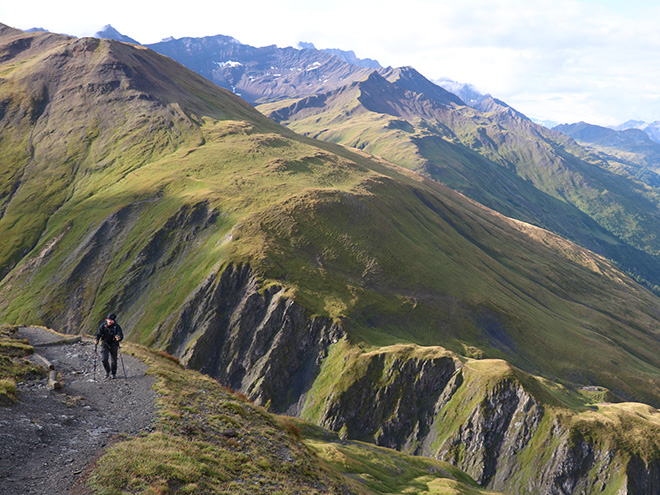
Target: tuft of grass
7,391
13,365
167,355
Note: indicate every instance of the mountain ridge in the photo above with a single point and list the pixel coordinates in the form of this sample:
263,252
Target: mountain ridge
301,270
346,55
543,177
259,73
652,129
350,179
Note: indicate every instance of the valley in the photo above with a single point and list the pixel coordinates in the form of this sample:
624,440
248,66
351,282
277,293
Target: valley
390,269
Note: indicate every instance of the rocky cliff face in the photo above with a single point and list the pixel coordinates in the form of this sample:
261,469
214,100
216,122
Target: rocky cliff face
496,431
478,415
392,401
253,340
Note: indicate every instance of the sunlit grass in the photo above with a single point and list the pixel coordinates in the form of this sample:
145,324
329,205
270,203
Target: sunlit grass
13,365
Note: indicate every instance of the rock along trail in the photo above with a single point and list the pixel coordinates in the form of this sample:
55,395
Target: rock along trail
49,438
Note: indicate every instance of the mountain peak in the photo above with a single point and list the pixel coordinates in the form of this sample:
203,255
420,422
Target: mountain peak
412,80
347,56
350,57
466,92
110,33
491,104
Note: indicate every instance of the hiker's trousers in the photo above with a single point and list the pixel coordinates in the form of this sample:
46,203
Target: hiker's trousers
110,351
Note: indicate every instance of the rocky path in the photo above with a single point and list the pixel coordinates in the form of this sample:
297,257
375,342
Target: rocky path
49,438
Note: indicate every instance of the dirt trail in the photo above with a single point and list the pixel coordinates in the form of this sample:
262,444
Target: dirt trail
49,438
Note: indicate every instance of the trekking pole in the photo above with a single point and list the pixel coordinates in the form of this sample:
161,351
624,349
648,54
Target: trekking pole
96,354
121,356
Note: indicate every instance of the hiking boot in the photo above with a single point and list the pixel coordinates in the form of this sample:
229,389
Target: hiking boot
113,377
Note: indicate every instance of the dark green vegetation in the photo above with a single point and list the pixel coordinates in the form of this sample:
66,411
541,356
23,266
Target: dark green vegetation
132,184
494,155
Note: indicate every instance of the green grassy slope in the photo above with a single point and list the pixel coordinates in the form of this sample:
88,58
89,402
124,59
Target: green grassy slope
553,439
209,439
496,156
181,178
66,134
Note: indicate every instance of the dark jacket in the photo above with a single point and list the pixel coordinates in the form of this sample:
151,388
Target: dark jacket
108,333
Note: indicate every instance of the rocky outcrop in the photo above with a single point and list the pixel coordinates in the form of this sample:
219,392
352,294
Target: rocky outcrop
393,401
487,424
252,339
486,445
571,463
642,476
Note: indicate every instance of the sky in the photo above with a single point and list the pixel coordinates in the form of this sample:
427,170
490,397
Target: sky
560,60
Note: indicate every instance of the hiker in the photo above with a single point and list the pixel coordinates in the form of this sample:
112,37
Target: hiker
110,334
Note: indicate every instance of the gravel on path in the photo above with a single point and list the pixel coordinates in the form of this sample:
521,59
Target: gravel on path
49,438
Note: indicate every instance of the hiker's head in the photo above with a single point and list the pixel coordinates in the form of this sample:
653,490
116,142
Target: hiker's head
110,319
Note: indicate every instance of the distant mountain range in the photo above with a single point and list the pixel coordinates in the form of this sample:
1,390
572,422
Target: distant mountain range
652,129
347,56
629,139
260,73
193,57
630,151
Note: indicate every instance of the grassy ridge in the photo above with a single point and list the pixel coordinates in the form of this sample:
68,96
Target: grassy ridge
179,178
393,284
496,156
209,439
574,428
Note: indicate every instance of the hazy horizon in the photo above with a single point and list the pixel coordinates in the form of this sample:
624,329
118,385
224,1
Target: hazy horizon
565,61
